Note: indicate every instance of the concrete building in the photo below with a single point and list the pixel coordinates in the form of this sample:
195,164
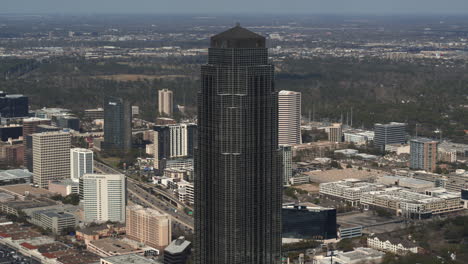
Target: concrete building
128,259
54,220
358,136
30,126
398,148
411,204
423,154
289,118
177,252
392,245
185,192
286,154
357,256
148,226
165,102
64,187
51,157
349,190
92,114
104,197
112,246
335,133
392,133
81,162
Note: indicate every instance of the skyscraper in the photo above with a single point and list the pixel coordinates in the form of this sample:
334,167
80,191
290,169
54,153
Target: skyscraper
81,162
51,157
392,133
238,181
289,118
104,197
423,154
31,126
165,102
335,133
117,124
13,105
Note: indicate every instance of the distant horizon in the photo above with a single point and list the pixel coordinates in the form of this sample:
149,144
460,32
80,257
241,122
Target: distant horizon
375,7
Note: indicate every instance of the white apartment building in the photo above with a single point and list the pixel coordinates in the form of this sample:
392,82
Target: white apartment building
392,245
81,162
358,137
185,192
289,118
165,102
51,157
104,197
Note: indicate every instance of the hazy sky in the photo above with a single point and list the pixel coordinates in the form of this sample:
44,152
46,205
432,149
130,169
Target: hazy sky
234,6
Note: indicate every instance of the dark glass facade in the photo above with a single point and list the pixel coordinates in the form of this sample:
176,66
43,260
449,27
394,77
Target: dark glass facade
303,222
13,105
13,132
117,124
238,168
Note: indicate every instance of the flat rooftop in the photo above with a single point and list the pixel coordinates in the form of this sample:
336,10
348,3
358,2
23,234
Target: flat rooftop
130,258
116,246
21,189
15,174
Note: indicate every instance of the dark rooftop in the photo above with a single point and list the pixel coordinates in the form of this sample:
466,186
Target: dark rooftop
237,37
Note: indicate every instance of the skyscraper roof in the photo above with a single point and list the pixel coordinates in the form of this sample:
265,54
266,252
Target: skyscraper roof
238,37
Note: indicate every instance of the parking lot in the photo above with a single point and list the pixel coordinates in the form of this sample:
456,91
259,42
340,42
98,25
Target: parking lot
10,256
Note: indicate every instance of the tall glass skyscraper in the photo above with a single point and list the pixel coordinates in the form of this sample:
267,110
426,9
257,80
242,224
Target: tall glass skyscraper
117,124
237,162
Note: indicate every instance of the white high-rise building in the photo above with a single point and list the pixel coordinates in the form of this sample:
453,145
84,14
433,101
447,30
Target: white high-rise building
286,153
51,157
289,118
104,197
165,102
81,163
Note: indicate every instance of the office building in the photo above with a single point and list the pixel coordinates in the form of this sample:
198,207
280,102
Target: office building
358,255
286,154
335,133
165,102
30,126
173,141
81,162
68,121
238,183
177,252
423,154
64,187
117,125
308,221
11,131
392,133
148,226
92,114
51,157
104,197
13,105
54,220
289,118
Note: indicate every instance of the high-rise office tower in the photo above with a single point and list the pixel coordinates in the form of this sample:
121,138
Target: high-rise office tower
81,162
286,155
423,154
289,118
335,133
148,226
165,102
31,126
104,197
51,157
392,133
238,181
117,124
174,141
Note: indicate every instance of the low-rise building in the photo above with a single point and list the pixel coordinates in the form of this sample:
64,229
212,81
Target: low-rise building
64,187
346,230
392,245
177,252
15,176
398,148
54,220
126,259
411,204
110,246
349,190
358,255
